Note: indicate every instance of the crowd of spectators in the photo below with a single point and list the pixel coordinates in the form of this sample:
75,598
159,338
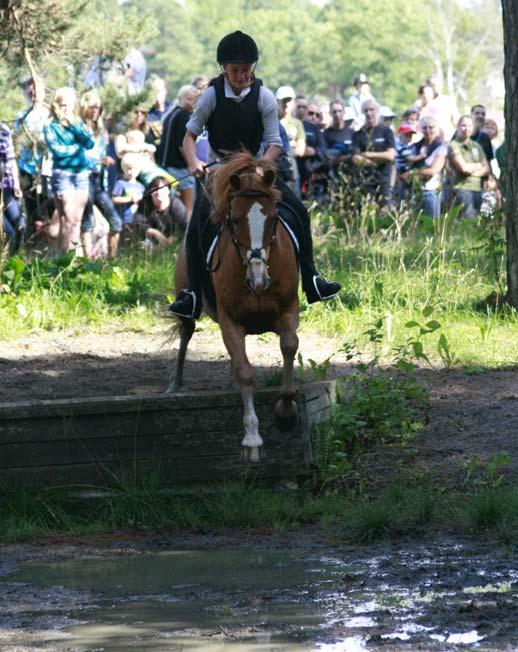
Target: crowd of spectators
429,160
69,182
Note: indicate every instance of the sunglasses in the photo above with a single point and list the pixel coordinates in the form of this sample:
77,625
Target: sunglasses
302,106
318,115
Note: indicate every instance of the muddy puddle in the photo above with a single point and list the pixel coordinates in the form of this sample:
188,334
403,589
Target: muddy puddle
446,595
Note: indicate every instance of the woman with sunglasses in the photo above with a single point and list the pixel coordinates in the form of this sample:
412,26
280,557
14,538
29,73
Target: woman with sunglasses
239,112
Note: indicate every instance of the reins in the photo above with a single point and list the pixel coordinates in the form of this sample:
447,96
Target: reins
229,223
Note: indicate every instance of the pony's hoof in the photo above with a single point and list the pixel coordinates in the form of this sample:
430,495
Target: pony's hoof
286,422
252,454
172,389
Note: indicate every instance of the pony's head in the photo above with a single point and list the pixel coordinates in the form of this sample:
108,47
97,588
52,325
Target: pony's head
244,198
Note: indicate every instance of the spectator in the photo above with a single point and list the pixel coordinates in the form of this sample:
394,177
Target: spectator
139,123
160,107
361,94
374,154
164,216
34,168
301,107
404,161
313,161
171,146
10,191
478,115
469,165
411,118
294,128
68,140
339,136
387,115
443,107
128,192
135,70
200,83
429,161
91,109
424,104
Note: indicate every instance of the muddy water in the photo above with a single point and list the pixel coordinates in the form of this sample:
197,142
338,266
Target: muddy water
445,595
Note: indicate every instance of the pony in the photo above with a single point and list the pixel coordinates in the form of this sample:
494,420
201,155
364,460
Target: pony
254,274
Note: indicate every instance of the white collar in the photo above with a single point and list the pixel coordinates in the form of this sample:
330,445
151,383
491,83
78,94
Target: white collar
229,93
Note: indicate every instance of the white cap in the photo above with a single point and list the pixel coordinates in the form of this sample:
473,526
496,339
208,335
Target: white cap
349,114
386,112
284,93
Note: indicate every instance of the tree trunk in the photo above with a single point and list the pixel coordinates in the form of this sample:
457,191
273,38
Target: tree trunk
510,20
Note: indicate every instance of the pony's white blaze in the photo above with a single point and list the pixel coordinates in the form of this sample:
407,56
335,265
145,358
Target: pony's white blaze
257,277
256,221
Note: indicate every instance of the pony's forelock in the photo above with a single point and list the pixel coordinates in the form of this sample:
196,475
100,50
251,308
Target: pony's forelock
250,170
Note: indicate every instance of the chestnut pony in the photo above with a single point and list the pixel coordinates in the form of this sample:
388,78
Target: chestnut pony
254,273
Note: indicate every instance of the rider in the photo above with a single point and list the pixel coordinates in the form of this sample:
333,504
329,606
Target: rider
238,112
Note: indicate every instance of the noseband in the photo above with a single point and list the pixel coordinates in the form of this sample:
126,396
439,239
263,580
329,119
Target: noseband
251,254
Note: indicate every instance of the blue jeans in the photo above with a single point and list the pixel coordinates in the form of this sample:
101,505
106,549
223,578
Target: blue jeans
12,219
470,200
431,203
99,197
64,181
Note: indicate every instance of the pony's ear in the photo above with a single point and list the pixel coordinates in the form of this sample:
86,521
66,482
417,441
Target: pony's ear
235,182
269,177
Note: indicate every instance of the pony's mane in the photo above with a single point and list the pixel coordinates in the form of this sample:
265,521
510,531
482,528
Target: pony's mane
249,170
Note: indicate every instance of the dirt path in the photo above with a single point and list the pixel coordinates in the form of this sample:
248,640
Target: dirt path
470,415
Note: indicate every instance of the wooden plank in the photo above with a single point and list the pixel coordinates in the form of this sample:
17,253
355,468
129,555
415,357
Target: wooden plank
125,449
107,404
191,437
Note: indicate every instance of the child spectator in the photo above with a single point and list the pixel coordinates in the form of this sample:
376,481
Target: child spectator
128,192
404,160
404,148
164,216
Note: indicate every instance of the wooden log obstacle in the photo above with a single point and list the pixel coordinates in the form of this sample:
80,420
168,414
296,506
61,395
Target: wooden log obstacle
188,437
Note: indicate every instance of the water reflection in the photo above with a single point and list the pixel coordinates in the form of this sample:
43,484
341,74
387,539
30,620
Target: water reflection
246,600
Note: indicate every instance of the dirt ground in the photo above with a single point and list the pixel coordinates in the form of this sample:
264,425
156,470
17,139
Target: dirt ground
470,414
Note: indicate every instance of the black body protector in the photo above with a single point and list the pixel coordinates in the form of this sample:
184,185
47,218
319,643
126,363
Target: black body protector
235,125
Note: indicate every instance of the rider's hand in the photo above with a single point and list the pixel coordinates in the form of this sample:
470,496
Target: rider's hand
197,169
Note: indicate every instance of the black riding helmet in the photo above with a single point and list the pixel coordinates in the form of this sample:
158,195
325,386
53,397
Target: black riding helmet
237,48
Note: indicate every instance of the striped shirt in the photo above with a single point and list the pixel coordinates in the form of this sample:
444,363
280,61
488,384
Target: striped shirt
68,145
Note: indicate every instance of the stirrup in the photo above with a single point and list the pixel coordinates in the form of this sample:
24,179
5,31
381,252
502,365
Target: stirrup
175,309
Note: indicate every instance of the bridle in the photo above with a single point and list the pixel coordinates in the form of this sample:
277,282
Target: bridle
251,253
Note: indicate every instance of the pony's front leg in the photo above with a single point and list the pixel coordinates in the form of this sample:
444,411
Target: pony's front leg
286,408
234,339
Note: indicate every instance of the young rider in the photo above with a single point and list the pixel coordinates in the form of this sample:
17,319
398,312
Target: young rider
238,112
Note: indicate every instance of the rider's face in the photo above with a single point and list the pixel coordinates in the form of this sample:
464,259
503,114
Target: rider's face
239,75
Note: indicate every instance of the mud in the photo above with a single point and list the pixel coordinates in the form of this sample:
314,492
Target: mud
285,593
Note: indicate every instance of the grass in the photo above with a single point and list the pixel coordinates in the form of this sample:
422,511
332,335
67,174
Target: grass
408,510
388,273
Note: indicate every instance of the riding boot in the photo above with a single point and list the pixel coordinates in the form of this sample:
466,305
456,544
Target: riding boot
316,287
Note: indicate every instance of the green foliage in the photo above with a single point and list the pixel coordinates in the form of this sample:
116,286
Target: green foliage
371,410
